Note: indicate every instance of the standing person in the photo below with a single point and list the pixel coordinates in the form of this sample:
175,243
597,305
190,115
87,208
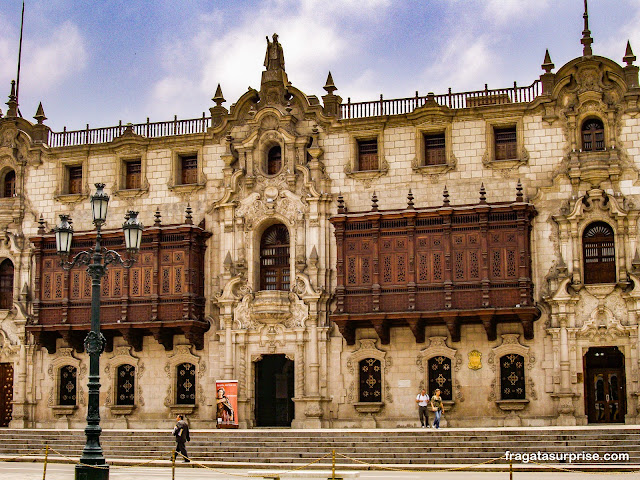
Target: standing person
181,432
423,402
437,407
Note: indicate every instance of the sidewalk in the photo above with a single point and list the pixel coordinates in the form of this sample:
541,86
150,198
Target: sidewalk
55,471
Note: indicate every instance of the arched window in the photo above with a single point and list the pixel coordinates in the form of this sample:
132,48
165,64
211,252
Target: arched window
440,376
370,380
125,385
599,253
67,386
6,284
186,384
274,258
9,189
512,381
592,135
274,160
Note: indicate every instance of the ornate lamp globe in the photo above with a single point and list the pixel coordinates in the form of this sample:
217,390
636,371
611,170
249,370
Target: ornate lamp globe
132,228
99,204
64,235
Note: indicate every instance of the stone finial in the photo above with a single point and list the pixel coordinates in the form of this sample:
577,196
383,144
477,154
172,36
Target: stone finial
629,57
329,86
341,207
547,64
188,217
13,101
227,260
483,194
374,202
314,254
519,195
41,229
39,116
157,218
586,40
635,263
410,204
218,97
445,197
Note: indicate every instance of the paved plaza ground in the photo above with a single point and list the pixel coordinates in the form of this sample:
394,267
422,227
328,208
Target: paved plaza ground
33,471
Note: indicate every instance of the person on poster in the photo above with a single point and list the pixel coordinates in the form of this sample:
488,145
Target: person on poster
224,408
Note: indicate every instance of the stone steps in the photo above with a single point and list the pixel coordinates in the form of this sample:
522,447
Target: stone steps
280,446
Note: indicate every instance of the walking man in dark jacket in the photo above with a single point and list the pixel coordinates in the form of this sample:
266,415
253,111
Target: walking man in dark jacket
181,432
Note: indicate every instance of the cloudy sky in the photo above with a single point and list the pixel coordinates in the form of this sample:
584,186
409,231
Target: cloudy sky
99,62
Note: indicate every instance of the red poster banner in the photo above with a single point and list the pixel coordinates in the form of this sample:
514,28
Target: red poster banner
227,403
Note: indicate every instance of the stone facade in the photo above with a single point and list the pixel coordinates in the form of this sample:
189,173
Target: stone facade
280,157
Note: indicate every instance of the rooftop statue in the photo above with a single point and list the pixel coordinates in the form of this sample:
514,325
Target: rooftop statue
274,59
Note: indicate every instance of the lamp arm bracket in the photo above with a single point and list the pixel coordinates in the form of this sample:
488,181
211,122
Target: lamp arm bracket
111,256
82,258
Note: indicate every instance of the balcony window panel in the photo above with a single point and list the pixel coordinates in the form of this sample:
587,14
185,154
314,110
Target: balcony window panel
189,169
368,155
6,284
434,146
506,143
9,184
274,160
75,180
592,135
133,174
274,259
598,246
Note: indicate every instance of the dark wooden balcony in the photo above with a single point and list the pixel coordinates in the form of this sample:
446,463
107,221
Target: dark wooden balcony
161,295
448,265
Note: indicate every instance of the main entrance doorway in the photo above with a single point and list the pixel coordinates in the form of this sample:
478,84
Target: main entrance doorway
6,393
605,391
274,391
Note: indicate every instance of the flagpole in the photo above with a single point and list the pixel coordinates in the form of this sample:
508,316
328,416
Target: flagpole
19,58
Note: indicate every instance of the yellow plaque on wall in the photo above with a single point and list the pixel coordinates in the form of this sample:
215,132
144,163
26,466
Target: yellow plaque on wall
475,360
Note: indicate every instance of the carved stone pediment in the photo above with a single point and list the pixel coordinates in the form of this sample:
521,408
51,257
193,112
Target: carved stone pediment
283,203
271,307
603,325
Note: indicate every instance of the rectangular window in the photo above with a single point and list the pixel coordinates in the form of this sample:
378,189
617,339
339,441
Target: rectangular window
434,149
133,171
75,180
368,155
506,143
188,169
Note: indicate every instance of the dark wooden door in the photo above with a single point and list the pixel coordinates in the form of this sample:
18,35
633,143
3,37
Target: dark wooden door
605,386
6,393
607,396
274,391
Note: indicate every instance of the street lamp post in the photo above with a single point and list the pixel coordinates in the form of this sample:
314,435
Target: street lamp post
92,464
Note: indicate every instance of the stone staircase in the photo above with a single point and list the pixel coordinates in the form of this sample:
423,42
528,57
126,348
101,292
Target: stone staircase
263,448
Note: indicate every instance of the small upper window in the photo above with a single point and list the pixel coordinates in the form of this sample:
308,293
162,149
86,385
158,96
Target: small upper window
188,169
75,180
368,155
506,143
274,160
133,174
592,135
434,149
9,184
274,259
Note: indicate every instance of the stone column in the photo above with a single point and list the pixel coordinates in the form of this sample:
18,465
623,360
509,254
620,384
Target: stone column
19,417
228,348
314,362
565,374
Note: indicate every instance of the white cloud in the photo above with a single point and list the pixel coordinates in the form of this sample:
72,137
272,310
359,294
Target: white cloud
52,61
503,11
315,34
465,64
